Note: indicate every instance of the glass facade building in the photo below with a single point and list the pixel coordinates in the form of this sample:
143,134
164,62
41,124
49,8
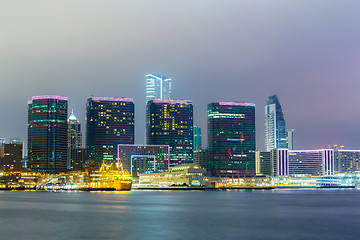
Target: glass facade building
231,139
170,122
109,122
275,125
347,161
197,142
47,133
158,87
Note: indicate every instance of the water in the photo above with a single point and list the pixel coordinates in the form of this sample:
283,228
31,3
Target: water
279,214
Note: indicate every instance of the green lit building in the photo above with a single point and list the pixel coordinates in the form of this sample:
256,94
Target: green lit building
197,143
170,122
231,139
47,133
109,122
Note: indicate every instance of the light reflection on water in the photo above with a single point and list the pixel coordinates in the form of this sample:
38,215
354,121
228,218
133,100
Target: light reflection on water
240,214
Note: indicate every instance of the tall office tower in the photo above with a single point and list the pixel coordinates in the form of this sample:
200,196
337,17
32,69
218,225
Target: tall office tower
197,142
231,139
158,87
11,158
109,122
2,141
170,122
311,162
47,133
275,130
74,132
290,138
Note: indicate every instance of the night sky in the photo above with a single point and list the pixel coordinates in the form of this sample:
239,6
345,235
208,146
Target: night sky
307,52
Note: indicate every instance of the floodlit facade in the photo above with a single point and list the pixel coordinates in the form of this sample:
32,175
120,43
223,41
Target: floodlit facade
231,139
311,162
181,175
170,122
144,158
275,125
279,162
47,133
263,163
109,122
158,87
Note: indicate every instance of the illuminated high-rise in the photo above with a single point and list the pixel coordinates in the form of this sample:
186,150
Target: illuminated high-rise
231,139
158,87
74,132
109,122
197,143
275,129
170,122
47,133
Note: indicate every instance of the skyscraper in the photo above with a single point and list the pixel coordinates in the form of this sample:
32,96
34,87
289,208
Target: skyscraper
275,129
290,138
197,143
170,122
47,133
109,122
231,139
158,87
74,132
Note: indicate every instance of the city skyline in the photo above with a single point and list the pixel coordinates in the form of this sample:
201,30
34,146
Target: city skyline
298,51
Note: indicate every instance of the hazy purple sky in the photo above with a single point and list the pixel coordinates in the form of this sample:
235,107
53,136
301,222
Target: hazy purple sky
306,51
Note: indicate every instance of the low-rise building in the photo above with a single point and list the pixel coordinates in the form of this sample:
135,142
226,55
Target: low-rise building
181,175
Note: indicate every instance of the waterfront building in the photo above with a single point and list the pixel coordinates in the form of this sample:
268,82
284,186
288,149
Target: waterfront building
279,163
21,141
11,158
74,132
78,158
181,175
347,161
201,157
2,141
47,133
197,142
311,162
109,122
144,158
170,122
275,125
263,163
290,138
158,87
231,139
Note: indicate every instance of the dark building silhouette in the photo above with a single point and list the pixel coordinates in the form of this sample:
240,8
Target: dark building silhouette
170,122
11,158
109,122
47,133
231,139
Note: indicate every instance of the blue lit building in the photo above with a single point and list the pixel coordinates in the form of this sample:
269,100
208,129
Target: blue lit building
231,139
197,143
275,125
158,87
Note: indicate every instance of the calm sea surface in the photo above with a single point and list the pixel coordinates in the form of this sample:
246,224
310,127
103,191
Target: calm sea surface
279,214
